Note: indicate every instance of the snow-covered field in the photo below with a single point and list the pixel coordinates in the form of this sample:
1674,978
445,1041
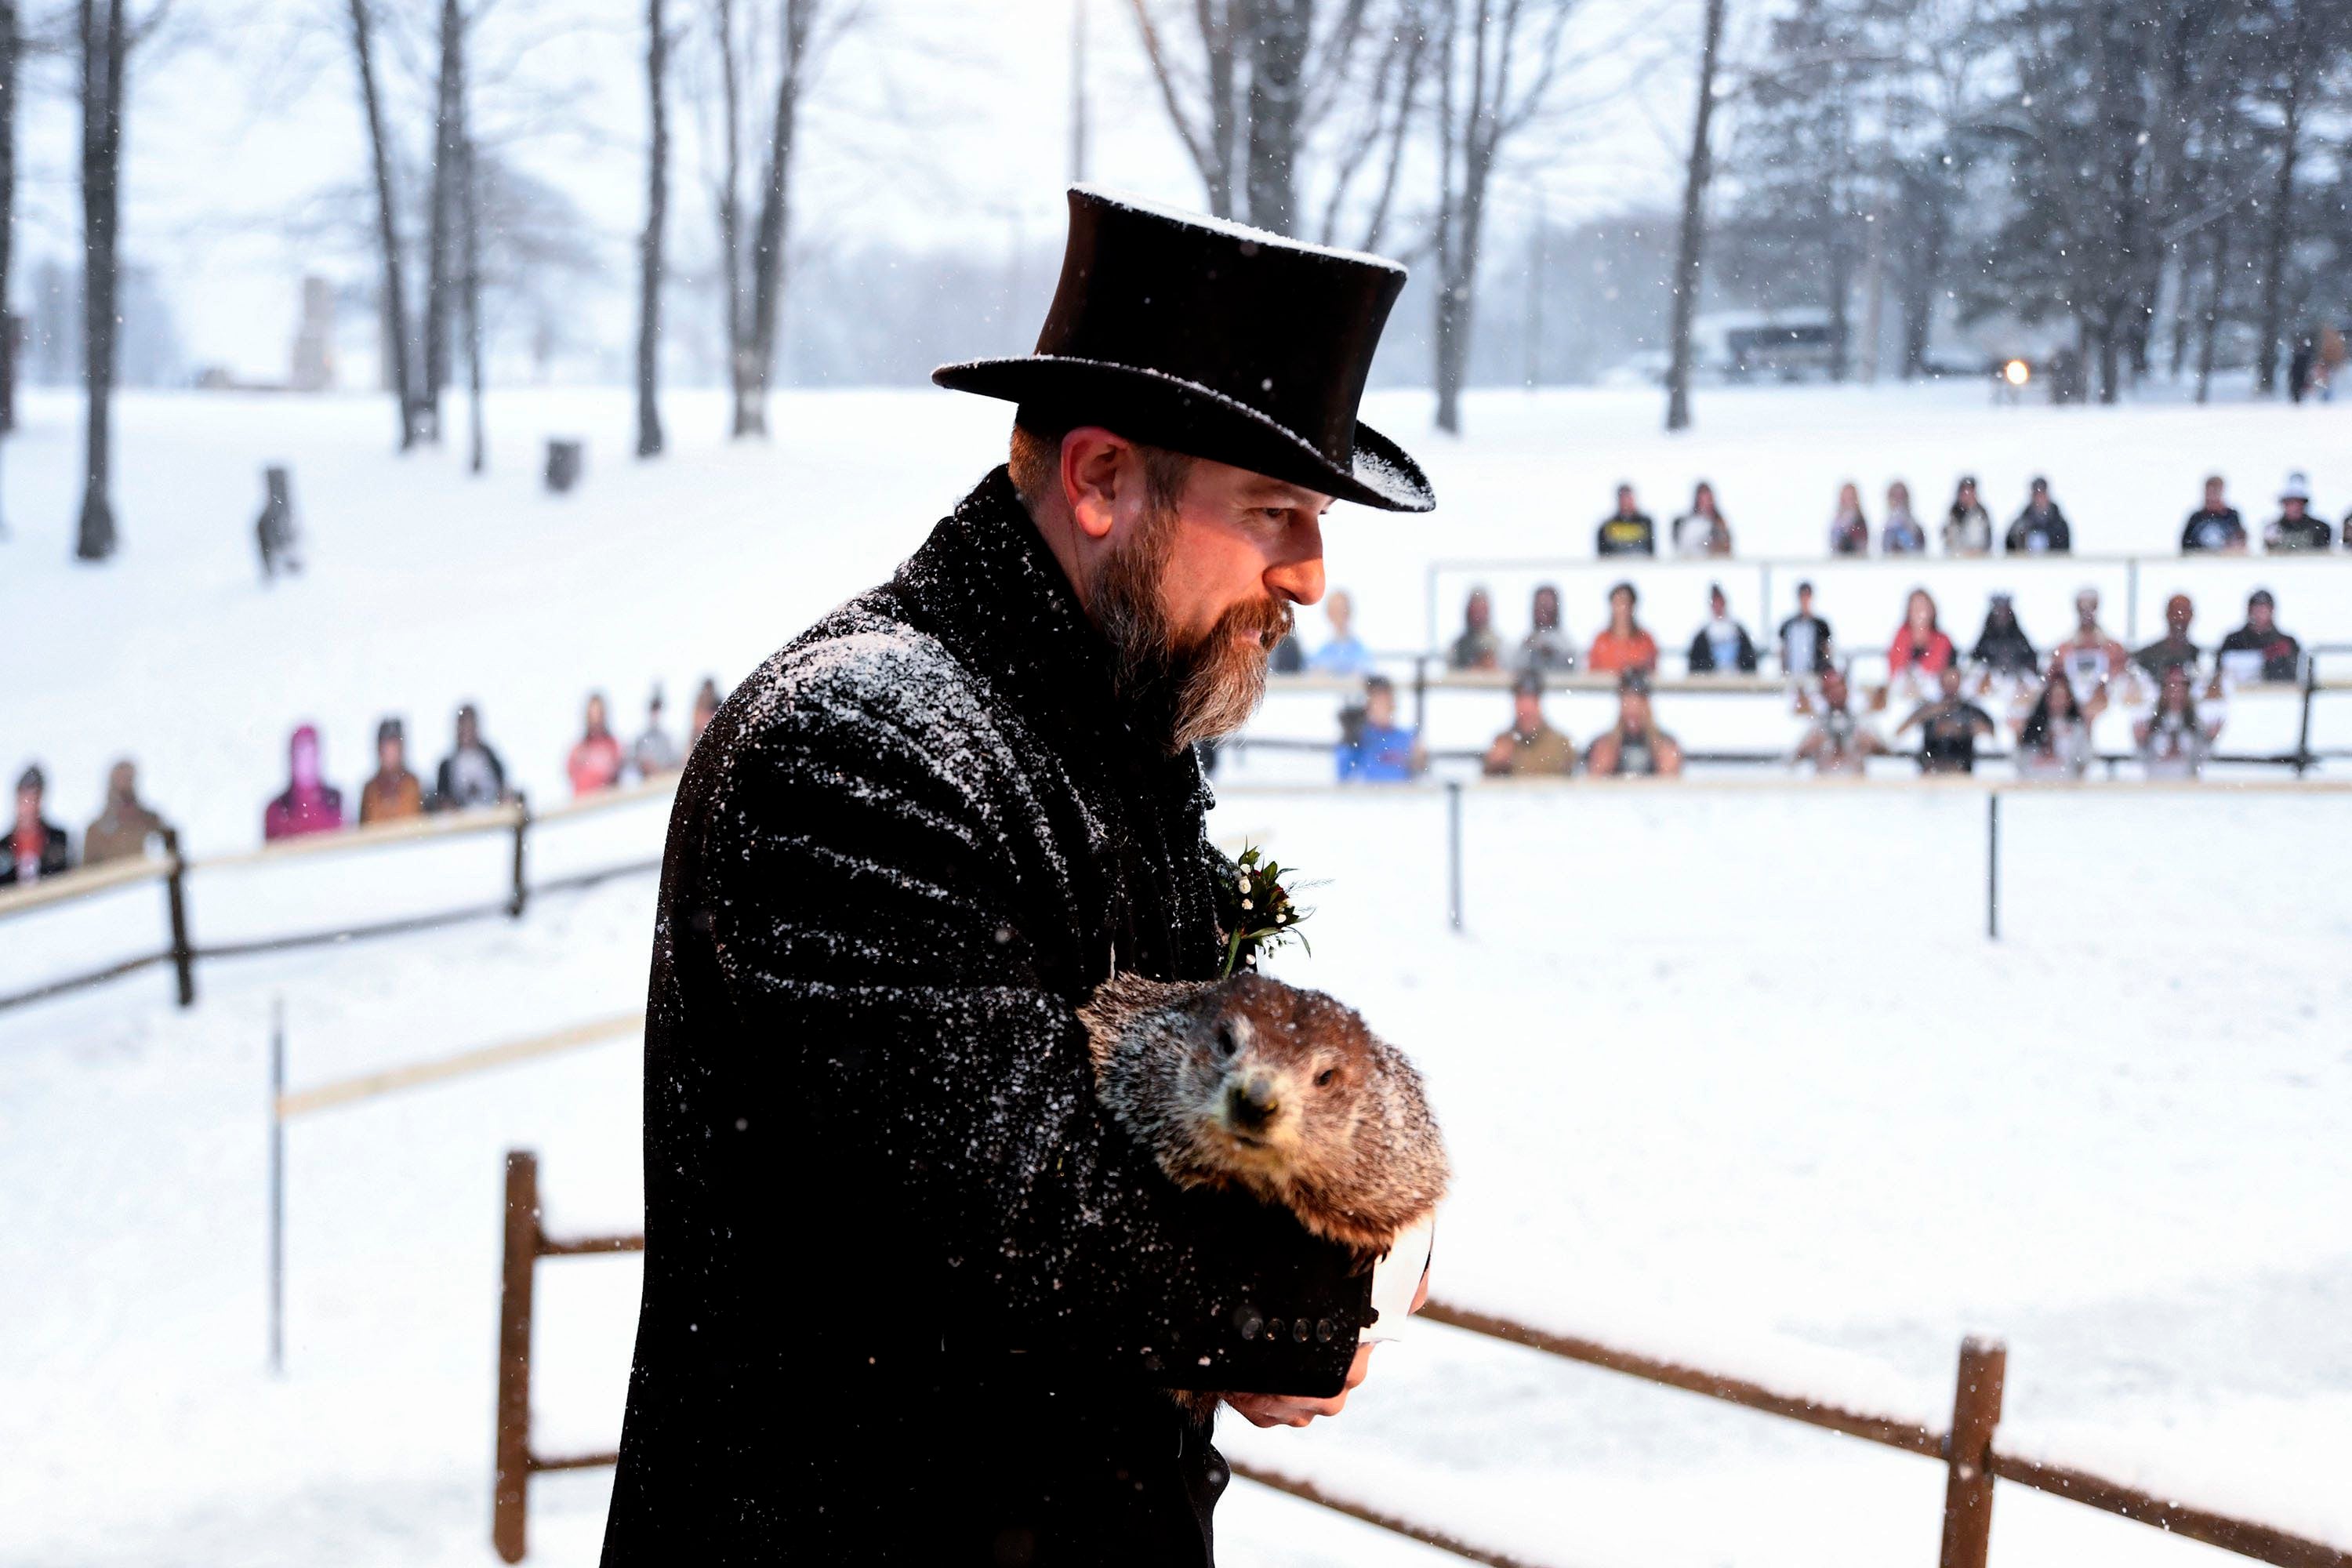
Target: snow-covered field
1732,1074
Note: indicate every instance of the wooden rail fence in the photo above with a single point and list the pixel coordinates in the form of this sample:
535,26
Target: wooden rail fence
1971,1458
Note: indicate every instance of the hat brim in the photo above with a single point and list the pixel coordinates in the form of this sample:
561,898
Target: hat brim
1165,410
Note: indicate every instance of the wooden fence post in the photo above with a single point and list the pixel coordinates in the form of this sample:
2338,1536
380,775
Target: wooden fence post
1967,1485
176,898
510,1488
1993,865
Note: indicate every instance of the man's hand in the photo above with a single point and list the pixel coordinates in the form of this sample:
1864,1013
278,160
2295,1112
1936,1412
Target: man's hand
1286,1410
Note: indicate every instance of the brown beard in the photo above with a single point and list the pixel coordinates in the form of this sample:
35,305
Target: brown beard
1184,689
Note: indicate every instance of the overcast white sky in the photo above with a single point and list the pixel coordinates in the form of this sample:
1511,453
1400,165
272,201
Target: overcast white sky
942,121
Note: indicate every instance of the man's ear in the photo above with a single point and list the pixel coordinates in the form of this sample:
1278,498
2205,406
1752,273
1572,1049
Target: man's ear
1096,463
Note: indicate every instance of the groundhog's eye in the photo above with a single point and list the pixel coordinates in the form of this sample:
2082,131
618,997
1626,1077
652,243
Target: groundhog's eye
1226,1044
1323,1079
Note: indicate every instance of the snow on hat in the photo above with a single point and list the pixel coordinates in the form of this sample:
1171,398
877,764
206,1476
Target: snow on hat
1215,340
2297,487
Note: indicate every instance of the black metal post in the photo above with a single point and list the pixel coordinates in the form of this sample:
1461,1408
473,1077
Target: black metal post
522,887
1454,853
277,1188
2302,735
176,898
1420,694
1993,865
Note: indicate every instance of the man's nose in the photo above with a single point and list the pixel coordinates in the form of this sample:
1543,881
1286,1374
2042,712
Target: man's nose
1298,575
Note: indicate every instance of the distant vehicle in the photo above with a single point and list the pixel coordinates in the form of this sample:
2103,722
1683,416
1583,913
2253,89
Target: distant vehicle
1750,345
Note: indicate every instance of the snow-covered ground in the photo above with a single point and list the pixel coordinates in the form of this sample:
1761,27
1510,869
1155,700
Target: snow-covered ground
1732,1074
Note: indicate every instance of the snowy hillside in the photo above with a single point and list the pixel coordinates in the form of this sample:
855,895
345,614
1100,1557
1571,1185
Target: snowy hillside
1731,1074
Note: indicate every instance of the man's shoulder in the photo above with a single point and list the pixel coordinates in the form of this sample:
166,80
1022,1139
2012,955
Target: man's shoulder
863,667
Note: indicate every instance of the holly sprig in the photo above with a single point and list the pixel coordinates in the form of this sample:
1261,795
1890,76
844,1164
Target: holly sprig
1254,907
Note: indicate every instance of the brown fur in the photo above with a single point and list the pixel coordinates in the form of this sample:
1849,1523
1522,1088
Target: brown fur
1249,1083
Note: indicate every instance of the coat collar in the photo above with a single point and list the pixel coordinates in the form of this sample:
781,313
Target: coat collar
986,585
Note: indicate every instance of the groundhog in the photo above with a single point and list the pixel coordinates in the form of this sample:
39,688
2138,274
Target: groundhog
1285,1093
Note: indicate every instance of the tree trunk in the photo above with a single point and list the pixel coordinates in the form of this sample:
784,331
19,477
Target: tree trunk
1841,290
1690,245
754,367
1277,47
399,351
441,215
478,453
2281,218
649,251
1929,204
730,194
2212,325
103,51
2111,347
2184,291
11,55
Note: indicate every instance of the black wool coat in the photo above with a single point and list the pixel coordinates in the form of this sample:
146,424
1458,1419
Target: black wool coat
909,1296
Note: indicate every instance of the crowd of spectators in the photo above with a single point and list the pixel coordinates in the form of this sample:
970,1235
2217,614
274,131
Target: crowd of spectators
1949,696
1966,527
469,776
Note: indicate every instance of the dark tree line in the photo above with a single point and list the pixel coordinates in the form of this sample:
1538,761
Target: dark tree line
2130,173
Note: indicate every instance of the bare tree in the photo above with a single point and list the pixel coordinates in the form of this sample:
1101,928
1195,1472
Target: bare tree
443,216
2290,94
1497,64
399,350
105,37
1251,84
478,458
649,248
12,48
1691,239
753,277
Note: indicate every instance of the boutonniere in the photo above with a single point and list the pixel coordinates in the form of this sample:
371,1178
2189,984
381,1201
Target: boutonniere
1256,910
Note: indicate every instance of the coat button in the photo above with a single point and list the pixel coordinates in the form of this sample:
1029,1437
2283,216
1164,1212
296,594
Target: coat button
1273,1328
1324,1331
1299,1330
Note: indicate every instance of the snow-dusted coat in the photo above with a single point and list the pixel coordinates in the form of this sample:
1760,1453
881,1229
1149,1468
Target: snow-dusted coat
909,1295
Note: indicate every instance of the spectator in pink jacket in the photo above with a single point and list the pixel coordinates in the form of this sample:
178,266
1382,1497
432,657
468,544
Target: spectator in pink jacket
309,804
595,763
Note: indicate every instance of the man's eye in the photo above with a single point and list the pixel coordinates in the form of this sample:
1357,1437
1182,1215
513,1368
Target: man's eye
1275,514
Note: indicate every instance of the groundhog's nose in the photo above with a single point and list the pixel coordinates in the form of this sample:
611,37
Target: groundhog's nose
1251,1104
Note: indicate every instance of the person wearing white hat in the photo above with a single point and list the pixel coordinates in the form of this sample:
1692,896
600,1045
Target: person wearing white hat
2295,527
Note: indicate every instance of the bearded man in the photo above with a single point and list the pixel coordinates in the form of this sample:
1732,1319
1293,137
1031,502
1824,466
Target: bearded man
909,1296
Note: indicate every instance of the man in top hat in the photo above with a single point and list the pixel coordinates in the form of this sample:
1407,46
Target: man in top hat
909,1295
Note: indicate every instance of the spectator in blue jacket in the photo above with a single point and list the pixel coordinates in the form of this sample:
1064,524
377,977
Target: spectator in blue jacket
1345,654
1373,747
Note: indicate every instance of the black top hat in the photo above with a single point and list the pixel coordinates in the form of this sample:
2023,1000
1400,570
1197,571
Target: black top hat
1214,340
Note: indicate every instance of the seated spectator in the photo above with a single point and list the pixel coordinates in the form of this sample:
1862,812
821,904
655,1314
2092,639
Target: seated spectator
1900,534
2174,647
595,761
1849,530
1622,645
1287,657
1345,653
472,775
1478,647
1805,648
2053,738
654,755
2259,650
706,707
394,793
1373,748
2175,739
124,826
2089,657
1967,527
2213,528
308,804
35,846
1949,728
1635,747
2041,528
1702,529
1546,647
1920,648
1628,530
1721,647
1838,740
2002,647
1530,747
2295,529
